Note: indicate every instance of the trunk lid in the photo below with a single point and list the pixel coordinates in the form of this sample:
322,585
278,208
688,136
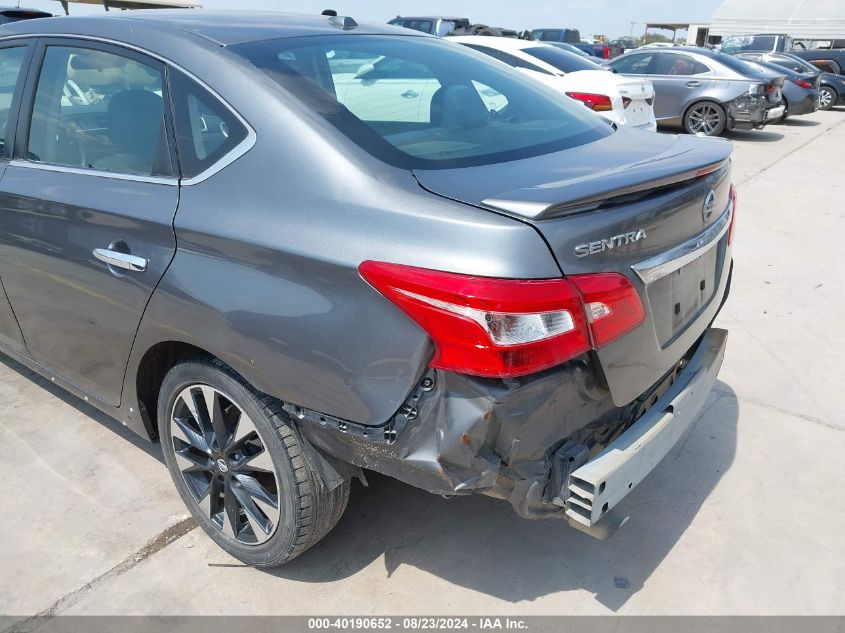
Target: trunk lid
626,204
639,90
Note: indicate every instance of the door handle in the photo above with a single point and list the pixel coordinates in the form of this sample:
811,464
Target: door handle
117,259
692,84
410,94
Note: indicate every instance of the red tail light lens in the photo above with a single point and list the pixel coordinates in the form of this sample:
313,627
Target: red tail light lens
733,215
804,84
599,103
605,52
625,102
503,328
611,303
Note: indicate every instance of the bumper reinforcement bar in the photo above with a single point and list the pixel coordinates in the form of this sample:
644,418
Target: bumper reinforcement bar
599,485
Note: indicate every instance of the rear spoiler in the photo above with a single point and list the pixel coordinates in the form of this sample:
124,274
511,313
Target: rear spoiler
604,188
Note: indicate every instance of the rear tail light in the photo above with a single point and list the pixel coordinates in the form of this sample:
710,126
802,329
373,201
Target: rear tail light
611,303
503,328
625,102
804,84
605,52
733,215
599,103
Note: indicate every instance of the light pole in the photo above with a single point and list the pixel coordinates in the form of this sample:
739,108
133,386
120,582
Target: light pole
631,34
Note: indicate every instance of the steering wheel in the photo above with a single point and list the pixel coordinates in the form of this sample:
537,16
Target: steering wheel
73,93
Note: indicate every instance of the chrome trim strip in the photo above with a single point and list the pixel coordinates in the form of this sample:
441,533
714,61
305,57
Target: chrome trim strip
237,152
80,171
669,261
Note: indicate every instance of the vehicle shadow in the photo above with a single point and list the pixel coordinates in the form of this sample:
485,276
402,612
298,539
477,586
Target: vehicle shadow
800,122
758,136
153,450
480,544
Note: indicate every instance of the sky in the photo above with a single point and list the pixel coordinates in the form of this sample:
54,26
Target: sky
591,17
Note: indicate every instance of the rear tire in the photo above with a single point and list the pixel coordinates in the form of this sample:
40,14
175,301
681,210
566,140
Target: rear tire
827,98
252,492
705,118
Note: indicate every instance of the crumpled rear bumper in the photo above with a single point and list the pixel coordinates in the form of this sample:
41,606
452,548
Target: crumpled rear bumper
595,488
747,112
537,442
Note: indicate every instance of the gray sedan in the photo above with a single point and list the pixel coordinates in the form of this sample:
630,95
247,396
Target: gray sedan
704,91
286,269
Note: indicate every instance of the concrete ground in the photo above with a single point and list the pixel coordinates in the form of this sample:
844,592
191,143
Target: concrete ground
744,517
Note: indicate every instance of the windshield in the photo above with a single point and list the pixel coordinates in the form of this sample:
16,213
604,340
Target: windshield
17,15
425,26
422,103
741,43
562,60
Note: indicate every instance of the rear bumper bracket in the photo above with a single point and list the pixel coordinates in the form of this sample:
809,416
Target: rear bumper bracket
599,485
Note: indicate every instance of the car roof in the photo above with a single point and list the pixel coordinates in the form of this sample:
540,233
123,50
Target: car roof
221,27
694,50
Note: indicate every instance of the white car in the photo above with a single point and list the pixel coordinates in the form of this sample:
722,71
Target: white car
622,100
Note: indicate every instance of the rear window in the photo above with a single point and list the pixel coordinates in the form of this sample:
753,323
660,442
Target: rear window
741,66
421,103
562,60
570,36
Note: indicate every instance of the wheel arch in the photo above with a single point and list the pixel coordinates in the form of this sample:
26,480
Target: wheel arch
153,366
701,100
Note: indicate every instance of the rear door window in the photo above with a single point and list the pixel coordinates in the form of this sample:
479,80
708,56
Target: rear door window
675,64
637,64
99,110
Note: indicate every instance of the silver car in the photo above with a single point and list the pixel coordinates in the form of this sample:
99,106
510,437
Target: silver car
704,91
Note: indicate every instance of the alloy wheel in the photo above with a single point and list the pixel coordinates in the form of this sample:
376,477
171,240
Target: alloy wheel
825,98
225,464
705,119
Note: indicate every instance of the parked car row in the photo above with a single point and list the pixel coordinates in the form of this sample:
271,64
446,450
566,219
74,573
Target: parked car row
703,91
444,26
621,100
831,87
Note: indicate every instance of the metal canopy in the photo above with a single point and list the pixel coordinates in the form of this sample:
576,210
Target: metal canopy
667,26
136,4
801,19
